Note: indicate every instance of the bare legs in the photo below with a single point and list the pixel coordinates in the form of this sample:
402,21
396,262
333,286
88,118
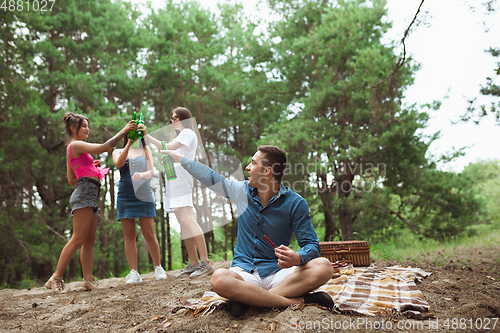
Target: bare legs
130,235
87,250
304,279
84,229
192,234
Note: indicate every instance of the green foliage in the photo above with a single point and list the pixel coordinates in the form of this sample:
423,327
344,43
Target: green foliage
408,246
441,205
27,283
361,151
58,63
306,84
176,250
491,89
486,178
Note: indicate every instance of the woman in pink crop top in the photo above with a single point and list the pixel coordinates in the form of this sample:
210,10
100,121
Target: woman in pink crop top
85,174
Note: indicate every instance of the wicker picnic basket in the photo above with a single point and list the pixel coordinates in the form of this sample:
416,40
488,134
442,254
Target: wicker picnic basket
355,252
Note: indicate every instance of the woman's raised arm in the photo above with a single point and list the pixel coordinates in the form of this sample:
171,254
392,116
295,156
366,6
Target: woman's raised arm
81,147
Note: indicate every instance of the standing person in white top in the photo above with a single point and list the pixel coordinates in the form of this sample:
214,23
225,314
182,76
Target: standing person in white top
181,190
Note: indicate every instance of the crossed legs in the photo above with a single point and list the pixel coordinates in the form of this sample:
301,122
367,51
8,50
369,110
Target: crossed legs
304,279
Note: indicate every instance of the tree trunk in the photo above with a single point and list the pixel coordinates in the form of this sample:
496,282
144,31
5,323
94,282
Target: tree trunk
210,239
331,230
344,189
200,107
326,196
182,91
346,223
52,90
225,241
103,266
162,221
116,253
185,257
150,260
137,107
169,243
112,211
234,227
73,268
225,221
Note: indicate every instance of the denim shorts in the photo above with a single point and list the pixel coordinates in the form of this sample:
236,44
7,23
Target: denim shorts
86,194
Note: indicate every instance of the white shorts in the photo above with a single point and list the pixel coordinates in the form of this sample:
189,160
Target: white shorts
181,188
268,282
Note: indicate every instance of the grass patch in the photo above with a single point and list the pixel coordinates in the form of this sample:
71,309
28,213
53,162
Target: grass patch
409,246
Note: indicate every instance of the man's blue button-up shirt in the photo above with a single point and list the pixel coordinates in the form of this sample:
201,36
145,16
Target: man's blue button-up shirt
285,214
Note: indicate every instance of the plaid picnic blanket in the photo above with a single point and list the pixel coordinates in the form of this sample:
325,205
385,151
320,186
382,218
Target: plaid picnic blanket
203,306
373,290
368,291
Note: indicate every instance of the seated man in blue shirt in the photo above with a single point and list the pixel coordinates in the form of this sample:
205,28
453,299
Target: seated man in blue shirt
260,275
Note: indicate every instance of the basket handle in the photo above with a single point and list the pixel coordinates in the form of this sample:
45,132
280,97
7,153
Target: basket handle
342,251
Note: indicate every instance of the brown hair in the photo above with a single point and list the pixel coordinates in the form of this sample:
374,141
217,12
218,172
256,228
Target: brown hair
184,114
75,120
274,157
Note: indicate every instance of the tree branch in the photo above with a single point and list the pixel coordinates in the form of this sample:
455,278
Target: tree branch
411,226
280,93
50,228
402,61
21,242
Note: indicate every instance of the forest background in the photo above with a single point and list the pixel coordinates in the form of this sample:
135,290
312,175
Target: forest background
319,81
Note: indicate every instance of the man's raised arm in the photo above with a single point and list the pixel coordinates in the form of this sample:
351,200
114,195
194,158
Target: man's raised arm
231,189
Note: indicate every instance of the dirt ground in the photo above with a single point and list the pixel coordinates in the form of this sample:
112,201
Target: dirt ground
463,292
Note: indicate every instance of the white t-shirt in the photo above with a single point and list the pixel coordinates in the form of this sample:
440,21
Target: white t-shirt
189,141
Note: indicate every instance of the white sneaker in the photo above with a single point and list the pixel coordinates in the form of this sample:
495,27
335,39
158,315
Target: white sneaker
160,273
133,277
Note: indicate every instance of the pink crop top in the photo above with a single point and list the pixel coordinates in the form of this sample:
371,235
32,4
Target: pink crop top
83,166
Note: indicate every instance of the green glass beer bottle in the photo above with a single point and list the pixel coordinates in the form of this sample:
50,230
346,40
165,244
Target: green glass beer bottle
140,134
132,135
168,164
